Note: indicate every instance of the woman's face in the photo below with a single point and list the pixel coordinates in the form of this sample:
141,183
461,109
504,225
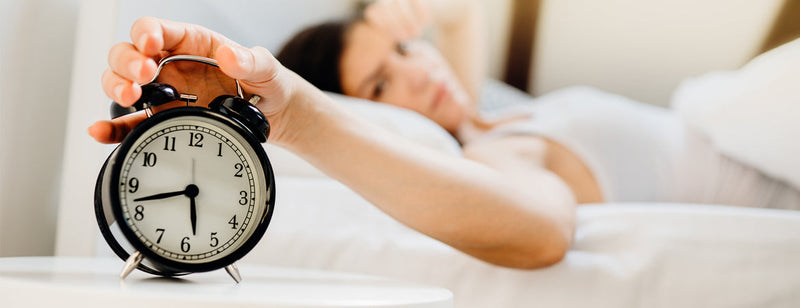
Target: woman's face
412,76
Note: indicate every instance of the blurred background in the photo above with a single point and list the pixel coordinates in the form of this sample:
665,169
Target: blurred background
641,49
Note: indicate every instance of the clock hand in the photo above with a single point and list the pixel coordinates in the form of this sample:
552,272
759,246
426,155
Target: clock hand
161,196
191,191
193,215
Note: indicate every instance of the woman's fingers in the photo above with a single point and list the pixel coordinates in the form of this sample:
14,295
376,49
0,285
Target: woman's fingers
114,131
119,89
402,19
256,66
126,61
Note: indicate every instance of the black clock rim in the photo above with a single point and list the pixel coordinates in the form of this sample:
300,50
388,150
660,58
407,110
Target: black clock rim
263,221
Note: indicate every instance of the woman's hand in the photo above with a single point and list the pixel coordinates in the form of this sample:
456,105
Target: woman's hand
133,64
402,19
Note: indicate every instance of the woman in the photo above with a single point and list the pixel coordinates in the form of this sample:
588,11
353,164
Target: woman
510,200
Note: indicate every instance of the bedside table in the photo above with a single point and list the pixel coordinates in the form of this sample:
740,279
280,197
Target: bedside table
94,282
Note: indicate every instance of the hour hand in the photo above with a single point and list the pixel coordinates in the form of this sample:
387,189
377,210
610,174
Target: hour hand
161,196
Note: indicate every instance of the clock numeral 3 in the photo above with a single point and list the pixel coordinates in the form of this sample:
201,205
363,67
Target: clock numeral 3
149,159
196,140
243,200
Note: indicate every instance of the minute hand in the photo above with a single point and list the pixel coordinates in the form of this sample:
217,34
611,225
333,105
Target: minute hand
161,196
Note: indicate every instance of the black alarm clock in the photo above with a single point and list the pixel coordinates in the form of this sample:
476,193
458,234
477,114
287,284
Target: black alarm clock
190,189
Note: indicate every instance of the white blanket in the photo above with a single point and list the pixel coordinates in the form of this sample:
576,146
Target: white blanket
752,114
624,255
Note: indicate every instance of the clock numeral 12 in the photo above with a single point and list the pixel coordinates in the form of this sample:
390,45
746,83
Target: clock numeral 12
196,140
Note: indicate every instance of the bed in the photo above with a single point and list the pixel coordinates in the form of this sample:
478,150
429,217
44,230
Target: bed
624,255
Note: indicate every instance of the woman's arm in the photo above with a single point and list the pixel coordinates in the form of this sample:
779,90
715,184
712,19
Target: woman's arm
506,211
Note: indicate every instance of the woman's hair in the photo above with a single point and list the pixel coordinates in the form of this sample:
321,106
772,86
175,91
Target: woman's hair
314,54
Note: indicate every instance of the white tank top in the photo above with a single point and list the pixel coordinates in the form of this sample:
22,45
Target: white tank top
639,152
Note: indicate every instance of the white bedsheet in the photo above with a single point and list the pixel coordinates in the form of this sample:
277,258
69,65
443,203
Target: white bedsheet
624,255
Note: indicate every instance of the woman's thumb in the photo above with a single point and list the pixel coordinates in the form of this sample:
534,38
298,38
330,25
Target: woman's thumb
253,66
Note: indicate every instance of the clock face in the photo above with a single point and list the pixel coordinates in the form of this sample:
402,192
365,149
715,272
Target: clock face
191,189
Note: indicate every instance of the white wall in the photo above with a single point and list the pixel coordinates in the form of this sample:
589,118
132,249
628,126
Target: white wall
36,42
643,48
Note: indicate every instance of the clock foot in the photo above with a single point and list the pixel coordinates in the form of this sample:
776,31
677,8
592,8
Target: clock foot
234,272
130,264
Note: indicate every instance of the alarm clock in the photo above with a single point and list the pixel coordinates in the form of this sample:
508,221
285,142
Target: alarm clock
189,189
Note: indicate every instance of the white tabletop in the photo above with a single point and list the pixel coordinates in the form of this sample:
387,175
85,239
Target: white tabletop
94,282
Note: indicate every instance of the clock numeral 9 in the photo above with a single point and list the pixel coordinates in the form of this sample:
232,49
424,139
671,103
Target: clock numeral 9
185,244
139,213
133,185
149,159
214,240
196,140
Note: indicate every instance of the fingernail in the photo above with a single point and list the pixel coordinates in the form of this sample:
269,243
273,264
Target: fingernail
142,42
118,91
242,56
136,68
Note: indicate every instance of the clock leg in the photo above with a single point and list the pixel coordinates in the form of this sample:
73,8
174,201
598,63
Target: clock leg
130,264
234,272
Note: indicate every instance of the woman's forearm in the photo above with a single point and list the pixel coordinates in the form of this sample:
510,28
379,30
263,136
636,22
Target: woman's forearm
461,39
460,202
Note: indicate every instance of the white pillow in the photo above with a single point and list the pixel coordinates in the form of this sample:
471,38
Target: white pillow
752,114
403,122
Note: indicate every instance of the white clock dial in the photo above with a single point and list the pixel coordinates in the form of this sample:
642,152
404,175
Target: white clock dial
190,190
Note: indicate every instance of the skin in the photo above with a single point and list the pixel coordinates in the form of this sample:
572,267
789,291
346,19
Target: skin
412,75
498,203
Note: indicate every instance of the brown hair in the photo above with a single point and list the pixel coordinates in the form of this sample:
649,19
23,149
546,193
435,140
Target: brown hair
314,54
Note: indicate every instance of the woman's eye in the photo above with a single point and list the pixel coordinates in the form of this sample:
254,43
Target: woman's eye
376,93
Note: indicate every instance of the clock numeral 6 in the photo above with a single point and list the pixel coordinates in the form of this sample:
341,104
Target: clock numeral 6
149,159
185,244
